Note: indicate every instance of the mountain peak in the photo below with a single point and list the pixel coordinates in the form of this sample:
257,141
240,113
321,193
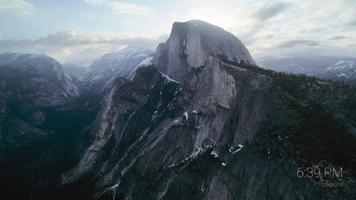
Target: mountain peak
41,63
40,76
197,24
192,43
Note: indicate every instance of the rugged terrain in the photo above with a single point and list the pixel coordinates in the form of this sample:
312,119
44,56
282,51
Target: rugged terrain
202,121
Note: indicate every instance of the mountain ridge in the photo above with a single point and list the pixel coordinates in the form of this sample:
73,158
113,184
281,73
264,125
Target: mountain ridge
122,63
338,68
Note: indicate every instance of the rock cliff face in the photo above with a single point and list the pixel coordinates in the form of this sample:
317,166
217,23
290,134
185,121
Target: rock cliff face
192,43
194,54
203,122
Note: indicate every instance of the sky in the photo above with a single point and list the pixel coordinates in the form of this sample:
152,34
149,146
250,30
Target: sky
78,31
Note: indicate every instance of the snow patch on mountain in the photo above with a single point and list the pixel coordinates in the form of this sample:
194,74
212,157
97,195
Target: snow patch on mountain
122,63
343,69
328,67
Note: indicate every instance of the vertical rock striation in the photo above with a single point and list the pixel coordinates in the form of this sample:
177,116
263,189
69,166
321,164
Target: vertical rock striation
192,43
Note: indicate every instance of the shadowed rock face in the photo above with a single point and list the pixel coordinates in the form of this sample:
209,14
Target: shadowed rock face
39,118
29,86
40,79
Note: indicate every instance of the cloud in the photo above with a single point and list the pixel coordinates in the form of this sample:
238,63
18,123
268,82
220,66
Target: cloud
264,27
352,23
59,39
78,48
339,37
269,11
63,38
257,30
72,38
119,7
140,42
20,7
293,43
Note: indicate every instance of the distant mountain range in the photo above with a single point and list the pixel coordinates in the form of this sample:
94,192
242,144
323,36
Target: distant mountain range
197,119
327,67
123,63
